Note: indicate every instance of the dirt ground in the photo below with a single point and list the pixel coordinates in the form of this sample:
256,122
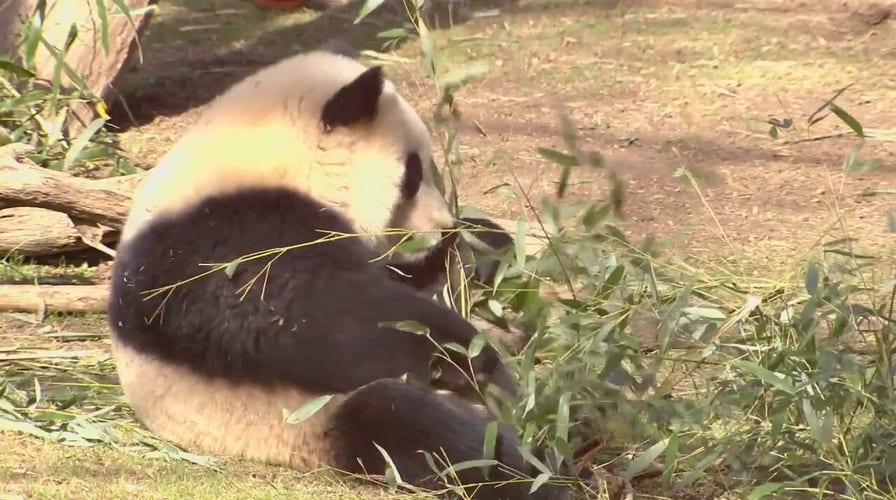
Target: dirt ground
655,87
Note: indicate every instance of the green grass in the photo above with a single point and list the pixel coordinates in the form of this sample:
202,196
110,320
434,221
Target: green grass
45,471
17,269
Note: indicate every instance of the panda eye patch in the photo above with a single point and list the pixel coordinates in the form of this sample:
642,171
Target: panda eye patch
413,176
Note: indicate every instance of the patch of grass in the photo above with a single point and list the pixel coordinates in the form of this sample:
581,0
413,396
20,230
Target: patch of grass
15,269
31,469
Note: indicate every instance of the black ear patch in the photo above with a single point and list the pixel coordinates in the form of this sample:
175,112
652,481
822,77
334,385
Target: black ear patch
355,102
413,176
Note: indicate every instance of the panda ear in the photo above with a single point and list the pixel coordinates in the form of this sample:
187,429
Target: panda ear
355,102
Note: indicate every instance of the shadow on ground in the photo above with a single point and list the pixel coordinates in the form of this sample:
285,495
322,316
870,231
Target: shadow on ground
168,86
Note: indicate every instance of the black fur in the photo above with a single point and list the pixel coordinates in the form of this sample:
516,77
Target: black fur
404,419
316,326
355,102
493,235
496,238
413,176
425,272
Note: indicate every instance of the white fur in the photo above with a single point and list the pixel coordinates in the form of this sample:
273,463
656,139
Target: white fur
264,131
220,419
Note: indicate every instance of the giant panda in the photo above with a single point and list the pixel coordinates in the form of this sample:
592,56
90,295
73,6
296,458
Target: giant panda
315,146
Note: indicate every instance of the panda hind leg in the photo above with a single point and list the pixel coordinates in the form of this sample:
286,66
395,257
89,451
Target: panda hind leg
404,418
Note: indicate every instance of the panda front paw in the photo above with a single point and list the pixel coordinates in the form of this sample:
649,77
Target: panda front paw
556,488
488,370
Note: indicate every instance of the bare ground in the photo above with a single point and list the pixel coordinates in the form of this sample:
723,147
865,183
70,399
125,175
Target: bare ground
654,86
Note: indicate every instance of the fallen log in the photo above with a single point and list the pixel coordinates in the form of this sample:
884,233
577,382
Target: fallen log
59,298
45,212
24,184
35,232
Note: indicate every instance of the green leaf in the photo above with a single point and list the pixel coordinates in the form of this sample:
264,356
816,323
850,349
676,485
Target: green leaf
763,490
773,132
644,459
471,464
476,345
51,416
848,120
566,161
696,471
392,33
819,114
504,188
560,158
60,63
809,414
14,69
705,312
777,420
231,267
540,480
129,13
594,215
454,346
670,460
491,438
812,279
393,478
24,427
126,10
104,24
520,243
530,458
563,417
822,429
432,465
306,410
495,307
409,326
416,244
83,138
767,376
617,193
428,48
88,430
368,7
613,280
530,404
32,34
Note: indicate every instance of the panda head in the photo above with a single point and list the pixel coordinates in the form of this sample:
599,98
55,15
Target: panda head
389,158
323,124
369,151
